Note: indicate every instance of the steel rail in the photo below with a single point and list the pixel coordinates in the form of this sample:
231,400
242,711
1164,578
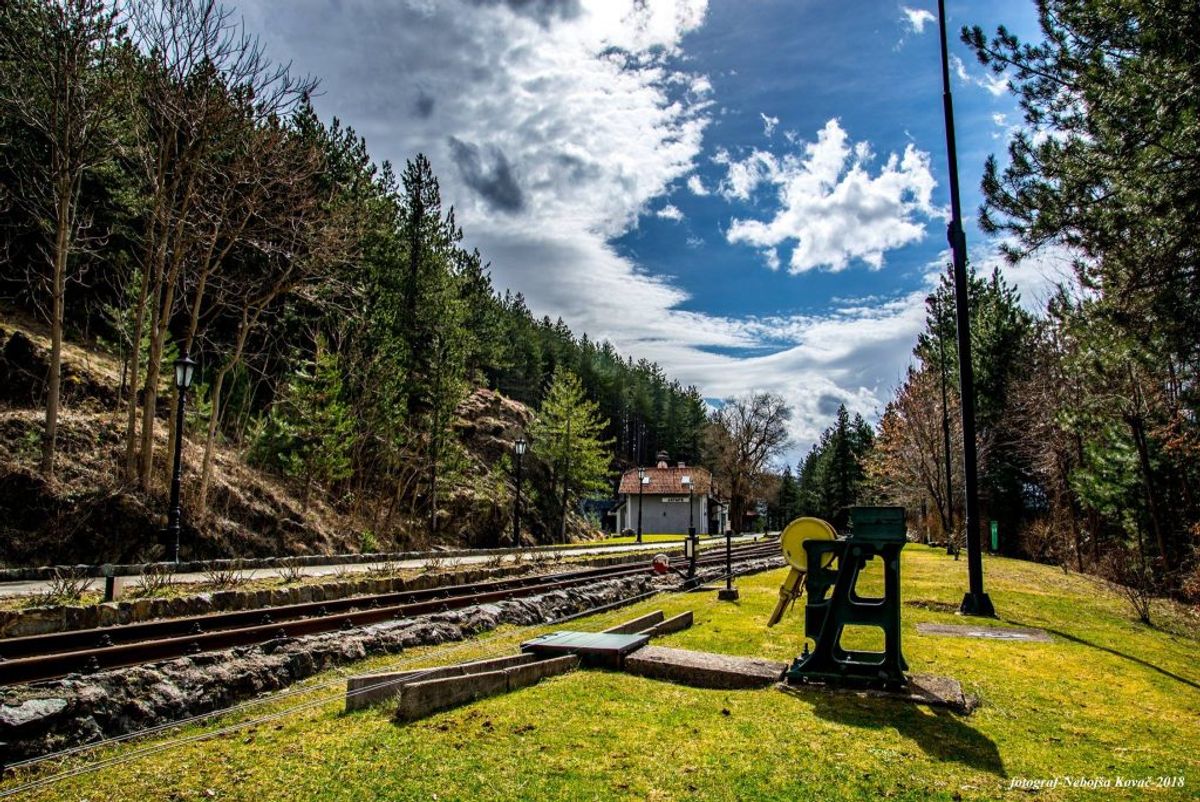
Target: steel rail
163,640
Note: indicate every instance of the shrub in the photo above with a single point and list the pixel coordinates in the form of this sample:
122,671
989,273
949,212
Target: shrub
291,573
155,578
225,578
66,586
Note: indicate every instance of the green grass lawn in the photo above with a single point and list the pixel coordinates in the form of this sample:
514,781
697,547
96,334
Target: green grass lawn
1108,698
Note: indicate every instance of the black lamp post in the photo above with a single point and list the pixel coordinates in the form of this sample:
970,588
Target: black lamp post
690,547
641,488
976,601
519,447
185,370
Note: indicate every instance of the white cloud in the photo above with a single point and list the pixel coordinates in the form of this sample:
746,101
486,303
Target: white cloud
917,18
853,354
829,204
996,84
769,124
743,177
670,212
577,112
579,102
960,69
1036,277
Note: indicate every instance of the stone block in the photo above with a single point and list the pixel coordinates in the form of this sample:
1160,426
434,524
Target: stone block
37,621
704,669
107,614
675,623
531,673
636,625
365,690
420,699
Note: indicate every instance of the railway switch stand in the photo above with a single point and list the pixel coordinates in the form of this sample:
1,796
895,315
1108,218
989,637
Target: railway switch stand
828,568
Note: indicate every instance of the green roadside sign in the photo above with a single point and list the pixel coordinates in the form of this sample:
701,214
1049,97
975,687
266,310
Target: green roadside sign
995,536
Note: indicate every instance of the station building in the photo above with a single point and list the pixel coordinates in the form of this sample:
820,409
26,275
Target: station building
664,494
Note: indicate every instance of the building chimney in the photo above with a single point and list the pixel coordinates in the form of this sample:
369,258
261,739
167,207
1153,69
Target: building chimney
681,464
662,459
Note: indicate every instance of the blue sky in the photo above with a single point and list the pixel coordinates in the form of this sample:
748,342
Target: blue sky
751,193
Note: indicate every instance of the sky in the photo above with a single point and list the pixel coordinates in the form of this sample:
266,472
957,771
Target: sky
751,193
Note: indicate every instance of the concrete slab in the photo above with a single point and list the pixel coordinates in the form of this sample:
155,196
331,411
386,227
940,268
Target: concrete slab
989,633
365,690
704,669
595,649
923,689
675,623
636,625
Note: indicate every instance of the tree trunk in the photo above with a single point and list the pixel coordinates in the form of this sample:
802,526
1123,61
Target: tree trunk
135,355
158,334
59,279
150,396
210,438
1139,439
215,409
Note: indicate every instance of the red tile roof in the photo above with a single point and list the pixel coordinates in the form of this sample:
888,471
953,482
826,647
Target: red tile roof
667,481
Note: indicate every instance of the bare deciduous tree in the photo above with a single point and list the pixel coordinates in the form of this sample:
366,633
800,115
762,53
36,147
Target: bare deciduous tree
205,95
57,79
743,437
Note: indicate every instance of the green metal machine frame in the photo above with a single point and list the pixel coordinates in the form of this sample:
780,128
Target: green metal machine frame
834,567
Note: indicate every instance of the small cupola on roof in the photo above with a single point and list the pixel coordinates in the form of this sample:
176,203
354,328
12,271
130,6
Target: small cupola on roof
662,458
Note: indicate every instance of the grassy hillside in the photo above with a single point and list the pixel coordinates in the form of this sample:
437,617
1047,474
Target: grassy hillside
90,514
1107,698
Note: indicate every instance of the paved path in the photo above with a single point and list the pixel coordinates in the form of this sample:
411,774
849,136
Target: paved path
30,587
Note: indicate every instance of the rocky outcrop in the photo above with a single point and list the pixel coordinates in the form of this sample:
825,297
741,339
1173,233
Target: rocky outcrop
24,366
479,509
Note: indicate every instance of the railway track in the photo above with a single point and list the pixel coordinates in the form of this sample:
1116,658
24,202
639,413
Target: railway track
43,657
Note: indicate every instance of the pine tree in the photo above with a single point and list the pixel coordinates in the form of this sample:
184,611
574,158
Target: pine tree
566,437
788,503
307,435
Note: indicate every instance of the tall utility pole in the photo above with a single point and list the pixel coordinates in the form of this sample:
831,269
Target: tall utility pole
976,601
950,549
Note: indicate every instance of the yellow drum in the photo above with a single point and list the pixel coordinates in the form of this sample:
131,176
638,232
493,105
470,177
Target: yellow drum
792,542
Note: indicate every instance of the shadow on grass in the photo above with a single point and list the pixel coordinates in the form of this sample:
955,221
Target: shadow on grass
1129,657
940,733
